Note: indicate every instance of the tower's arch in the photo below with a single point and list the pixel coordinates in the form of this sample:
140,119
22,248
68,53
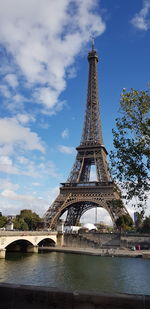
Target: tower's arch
76,205
97,215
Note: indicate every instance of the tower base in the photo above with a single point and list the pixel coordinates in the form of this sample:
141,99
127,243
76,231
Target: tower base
77,198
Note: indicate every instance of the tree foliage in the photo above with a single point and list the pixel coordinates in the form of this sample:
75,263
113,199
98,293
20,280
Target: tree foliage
3,221
27,220
139,217
130,158
124,222
145,228
116,204
20,224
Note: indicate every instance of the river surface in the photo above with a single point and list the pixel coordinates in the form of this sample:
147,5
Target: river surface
77,272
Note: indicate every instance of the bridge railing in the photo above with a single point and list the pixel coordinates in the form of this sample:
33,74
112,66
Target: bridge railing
26,233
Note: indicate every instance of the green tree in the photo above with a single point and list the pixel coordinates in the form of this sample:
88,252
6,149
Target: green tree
130,159
20,224
31,218
27,220
124,223
139,220
3,221
146,225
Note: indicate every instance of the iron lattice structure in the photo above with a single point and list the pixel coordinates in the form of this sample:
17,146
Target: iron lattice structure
79,194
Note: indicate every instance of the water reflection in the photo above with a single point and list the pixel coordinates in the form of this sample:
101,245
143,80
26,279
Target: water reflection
79,272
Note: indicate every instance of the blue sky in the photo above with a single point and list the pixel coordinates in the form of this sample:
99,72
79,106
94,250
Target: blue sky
43,86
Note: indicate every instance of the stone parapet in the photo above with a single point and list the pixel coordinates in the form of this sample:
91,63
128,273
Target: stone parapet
33,297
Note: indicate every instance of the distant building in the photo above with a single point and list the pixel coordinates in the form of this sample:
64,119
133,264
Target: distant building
103,227
136,217
89,226
71,229
10,225
10,217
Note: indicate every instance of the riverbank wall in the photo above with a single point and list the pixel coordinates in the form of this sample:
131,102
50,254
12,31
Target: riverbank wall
107,240
33,297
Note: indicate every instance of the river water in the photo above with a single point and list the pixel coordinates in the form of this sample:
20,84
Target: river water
77,272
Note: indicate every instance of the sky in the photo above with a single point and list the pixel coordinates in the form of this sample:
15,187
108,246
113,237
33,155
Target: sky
43,86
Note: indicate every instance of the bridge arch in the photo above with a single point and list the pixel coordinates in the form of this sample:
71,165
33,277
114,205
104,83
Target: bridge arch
10,240
46,242
20,245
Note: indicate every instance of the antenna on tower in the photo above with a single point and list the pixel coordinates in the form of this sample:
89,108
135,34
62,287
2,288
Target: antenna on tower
92,43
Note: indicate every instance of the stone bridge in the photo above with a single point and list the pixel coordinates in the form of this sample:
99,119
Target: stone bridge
27,241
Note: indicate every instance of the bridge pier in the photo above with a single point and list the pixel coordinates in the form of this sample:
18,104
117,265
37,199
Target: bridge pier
33,249
60,239
2,253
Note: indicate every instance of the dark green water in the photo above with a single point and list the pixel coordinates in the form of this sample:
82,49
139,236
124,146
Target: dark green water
78,272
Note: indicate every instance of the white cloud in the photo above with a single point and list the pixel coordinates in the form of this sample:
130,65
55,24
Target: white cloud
141,20
24,167
12,202
14,196
6,166
66,149
25,118
13,134
22,160
18,98
71,72
5,184
27,167
47,97
35,184
52,194
15,103
6,149
16,142
132,206
93,215
11,79
65,133
44,40
5,91
50,169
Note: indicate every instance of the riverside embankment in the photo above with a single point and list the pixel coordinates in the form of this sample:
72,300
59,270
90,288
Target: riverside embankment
99,252
105,244
107,240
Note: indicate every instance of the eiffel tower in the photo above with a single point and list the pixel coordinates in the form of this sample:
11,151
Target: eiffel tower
79,194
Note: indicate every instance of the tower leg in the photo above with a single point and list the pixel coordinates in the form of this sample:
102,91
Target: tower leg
73,215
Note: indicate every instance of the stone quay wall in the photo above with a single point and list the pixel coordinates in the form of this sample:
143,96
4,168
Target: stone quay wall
33,297
106,240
